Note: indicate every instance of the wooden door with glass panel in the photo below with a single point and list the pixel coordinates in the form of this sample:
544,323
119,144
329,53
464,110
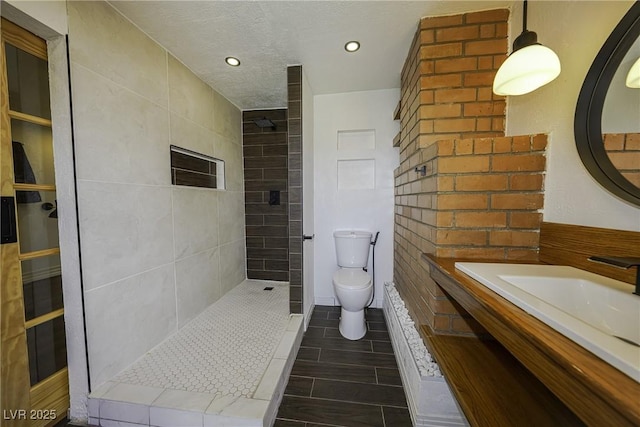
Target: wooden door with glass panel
34,381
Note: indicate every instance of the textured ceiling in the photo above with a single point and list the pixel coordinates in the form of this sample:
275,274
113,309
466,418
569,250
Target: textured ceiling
267,36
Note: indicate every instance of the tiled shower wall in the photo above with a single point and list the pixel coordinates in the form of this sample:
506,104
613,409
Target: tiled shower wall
481,192
294,90
265,171
154,255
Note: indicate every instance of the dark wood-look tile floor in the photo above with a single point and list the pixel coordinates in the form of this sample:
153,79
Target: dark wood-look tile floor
338,382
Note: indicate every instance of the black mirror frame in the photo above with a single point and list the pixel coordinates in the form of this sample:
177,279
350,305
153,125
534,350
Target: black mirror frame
588,117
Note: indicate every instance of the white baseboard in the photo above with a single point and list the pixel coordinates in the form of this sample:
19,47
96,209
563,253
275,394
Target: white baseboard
377,303
307,316
326,301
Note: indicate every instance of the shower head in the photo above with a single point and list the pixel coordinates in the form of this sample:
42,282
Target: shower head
264,123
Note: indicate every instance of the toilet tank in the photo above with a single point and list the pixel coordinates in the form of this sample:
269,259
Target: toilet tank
352,248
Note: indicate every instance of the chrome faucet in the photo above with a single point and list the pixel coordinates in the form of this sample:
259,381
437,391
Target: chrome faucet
621,262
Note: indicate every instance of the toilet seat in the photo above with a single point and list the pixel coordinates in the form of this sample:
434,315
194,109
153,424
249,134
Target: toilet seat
351,278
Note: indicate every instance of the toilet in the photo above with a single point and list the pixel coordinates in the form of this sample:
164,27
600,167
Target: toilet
353,286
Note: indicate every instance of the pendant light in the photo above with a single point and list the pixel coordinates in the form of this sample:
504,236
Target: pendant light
530,65
633,78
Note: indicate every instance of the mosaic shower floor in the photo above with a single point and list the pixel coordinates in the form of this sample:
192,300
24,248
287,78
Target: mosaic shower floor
229,366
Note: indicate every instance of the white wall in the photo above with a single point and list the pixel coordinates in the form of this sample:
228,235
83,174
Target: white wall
575,30
362,209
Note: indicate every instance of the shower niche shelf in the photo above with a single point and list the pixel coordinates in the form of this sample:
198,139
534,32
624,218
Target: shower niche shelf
192,169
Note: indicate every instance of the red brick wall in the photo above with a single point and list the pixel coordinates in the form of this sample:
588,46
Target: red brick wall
447,82
482,192
488,196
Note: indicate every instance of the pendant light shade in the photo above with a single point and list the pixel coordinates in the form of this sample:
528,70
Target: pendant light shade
530,65
633,78
526,70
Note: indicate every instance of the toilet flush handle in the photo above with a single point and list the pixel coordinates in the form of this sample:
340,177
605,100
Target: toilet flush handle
305,237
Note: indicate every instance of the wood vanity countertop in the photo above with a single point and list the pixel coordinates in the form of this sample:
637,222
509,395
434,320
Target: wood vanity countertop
595,391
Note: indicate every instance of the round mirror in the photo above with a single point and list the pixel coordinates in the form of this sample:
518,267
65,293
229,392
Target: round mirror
607,119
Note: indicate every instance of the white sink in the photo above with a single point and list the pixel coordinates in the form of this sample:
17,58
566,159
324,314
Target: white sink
599,313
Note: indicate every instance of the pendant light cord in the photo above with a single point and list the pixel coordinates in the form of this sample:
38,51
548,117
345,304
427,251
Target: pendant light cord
524,17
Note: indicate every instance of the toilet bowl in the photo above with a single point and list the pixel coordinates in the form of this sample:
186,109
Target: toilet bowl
352,285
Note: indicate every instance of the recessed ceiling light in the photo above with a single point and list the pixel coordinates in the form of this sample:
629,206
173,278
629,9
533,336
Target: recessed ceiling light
352,46
234,62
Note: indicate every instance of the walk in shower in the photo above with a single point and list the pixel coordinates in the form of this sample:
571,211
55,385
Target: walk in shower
229,366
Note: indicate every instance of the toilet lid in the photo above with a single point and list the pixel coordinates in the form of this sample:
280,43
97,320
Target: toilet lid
351,278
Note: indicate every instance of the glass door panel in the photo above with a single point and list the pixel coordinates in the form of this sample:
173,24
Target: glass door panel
28,81
42,286
32,146
47,349
37,220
